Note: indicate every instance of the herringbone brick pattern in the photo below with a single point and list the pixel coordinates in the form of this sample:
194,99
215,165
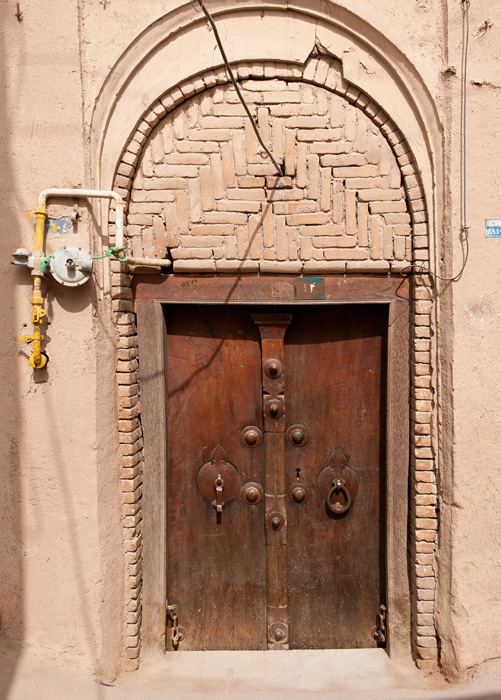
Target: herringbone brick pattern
205,190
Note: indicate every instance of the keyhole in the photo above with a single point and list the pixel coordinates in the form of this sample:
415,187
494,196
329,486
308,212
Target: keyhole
298,472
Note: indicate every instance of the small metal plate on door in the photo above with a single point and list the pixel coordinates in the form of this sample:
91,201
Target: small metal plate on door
218,470
309,288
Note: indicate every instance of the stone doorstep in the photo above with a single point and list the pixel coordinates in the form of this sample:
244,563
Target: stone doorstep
367,674
316,671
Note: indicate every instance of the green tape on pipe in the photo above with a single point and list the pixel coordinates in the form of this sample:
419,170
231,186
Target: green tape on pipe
44,264
112,251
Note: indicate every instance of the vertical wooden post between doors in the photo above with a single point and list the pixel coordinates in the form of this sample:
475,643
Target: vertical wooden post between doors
272,328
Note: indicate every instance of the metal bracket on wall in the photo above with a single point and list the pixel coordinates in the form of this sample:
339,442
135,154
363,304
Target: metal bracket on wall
75,216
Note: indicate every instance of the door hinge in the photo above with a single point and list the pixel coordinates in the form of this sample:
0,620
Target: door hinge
380,633
177,632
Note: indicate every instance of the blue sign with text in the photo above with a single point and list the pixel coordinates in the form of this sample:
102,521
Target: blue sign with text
58,227
493,228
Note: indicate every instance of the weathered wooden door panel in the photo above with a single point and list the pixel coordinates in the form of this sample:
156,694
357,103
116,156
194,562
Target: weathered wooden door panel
335,359
333,386
216,563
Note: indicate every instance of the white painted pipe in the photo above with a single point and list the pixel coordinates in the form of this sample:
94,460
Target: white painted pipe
156,262
103,194
119,218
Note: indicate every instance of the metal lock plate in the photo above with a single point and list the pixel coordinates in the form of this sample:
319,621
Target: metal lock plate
218,470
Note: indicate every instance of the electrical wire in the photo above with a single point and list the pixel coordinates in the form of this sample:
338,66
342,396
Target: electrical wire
235,85
464,227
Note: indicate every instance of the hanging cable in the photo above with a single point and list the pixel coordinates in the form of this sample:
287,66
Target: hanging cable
464,227
280,171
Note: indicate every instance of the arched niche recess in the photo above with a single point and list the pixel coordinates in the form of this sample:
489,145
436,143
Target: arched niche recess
322,44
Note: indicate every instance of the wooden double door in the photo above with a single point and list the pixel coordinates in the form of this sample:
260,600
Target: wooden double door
275,421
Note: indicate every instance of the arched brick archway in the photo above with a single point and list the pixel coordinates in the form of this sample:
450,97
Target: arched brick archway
351,202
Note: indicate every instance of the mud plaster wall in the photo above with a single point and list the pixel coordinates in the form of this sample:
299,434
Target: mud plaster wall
61,558
62,521
469,565
199,188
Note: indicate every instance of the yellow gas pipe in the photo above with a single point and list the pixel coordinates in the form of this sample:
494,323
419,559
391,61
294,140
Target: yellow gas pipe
37,358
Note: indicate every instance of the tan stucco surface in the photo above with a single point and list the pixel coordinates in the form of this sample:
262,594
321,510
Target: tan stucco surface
469,602
62,70
59,445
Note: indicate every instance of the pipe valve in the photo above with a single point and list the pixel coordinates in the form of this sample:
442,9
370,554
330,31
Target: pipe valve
21,256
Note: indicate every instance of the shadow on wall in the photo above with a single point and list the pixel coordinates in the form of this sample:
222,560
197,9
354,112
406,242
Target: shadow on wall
37,504
11,551
20,385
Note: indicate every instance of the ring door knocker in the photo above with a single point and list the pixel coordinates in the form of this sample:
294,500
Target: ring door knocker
338,484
